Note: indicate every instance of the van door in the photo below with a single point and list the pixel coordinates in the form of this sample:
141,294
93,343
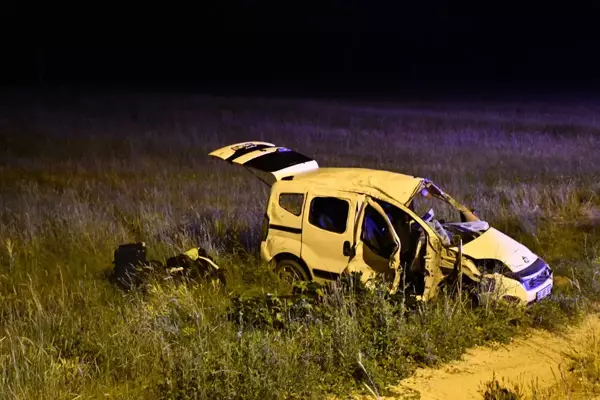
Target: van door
328,231
377,246
282,226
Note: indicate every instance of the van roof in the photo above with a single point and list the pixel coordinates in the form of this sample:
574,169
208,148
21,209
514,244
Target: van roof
281,164
379,183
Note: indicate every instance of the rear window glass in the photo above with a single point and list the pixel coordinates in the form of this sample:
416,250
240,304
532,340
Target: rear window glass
292,202
278,160
248,148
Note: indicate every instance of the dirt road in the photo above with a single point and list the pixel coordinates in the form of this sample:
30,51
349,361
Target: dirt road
539,357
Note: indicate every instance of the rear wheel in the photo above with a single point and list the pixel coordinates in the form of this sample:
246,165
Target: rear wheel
291,271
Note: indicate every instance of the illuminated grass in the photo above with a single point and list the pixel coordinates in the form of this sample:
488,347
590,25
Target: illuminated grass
82,175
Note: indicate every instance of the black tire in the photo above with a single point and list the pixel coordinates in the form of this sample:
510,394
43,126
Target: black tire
291,271
469,289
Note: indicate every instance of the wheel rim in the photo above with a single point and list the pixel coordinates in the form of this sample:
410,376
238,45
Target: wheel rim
289,274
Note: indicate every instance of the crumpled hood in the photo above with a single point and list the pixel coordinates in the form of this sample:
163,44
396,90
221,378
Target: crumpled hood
493,244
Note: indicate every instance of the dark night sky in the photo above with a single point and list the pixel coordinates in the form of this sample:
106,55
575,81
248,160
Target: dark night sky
350,47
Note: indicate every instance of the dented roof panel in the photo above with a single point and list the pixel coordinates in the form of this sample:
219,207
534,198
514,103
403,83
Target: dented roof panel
378,183
281,162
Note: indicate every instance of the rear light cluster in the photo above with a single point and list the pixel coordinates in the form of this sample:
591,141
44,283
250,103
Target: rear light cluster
265,228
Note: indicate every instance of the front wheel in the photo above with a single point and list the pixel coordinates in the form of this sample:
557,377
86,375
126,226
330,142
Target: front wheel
291,271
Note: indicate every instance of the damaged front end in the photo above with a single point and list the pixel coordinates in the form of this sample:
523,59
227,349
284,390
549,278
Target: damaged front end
132,269
496,263
526,286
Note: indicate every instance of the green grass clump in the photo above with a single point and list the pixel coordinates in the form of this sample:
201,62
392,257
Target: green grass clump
494,390
81,177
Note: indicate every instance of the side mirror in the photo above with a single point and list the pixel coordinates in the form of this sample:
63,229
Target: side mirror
348,250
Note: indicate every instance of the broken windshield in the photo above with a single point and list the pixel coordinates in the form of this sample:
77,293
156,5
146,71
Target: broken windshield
449,219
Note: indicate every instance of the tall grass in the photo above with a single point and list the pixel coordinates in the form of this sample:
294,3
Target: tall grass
83,174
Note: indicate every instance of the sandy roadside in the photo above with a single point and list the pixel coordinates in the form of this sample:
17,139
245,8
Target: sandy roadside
539,357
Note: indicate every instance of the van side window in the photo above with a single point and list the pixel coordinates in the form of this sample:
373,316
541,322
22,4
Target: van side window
329,213
292,202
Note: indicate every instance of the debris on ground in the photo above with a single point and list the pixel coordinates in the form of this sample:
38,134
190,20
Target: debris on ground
132,269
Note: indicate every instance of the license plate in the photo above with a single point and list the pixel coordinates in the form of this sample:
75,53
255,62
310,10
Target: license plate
543,292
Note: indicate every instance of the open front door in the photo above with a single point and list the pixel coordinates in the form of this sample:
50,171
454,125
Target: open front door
376,244
266,160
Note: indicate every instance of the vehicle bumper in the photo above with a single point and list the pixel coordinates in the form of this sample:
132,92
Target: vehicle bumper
265,253
533,295
512,289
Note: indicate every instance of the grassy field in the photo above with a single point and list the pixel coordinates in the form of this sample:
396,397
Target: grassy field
82,174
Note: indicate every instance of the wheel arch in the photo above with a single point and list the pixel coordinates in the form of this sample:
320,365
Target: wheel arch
290,256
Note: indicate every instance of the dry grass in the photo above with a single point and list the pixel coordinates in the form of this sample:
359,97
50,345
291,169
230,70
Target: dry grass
579,379
82,174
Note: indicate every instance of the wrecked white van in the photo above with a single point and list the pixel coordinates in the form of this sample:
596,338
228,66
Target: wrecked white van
324,222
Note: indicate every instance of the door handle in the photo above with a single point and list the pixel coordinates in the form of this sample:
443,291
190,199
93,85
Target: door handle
348,250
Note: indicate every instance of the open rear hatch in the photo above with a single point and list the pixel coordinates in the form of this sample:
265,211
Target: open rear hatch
266,159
